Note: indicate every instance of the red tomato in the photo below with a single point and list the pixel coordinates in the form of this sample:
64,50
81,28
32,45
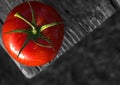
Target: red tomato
33,54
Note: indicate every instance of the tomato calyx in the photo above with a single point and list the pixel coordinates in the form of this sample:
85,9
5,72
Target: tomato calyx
35,32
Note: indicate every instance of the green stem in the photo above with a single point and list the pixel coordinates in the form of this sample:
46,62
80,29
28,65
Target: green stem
22,18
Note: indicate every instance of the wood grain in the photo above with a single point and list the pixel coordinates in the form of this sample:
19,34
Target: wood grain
83,16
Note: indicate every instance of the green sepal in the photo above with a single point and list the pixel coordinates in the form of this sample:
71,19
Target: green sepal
32,13
18,15
24,44
42,45
42,28
16,31
45,38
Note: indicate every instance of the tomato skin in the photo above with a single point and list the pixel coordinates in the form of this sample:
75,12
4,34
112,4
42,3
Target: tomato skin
32,54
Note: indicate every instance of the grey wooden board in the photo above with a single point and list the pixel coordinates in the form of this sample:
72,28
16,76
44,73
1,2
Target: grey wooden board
83,17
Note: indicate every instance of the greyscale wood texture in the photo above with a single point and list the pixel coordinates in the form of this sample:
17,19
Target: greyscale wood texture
83,16
116,2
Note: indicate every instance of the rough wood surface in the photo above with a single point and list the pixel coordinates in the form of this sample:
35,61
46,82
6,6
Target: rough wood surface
83,17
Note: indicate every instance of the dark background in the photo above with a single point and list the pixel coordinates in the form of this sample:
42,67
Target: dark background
95,60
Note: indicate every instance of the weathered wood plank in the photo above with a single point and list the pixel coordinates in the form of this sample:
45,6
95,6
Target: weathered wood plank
83,17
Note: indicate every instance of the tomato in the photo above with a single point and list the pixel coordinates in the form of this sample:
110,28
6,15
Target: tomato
25,42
